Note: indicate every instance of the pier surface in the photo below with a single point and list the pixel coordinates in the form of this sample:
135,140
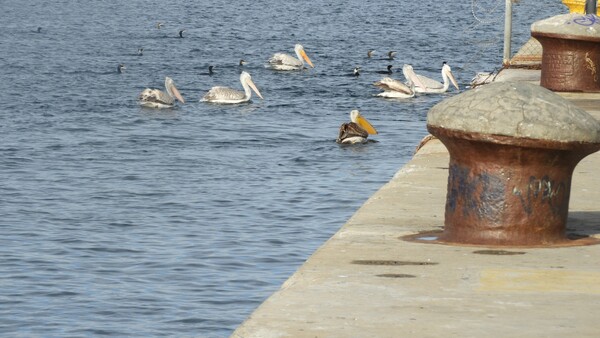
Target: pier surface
367,281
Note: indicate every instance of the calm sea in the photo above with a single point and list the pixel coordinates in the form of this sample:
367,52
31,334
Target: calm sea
121,221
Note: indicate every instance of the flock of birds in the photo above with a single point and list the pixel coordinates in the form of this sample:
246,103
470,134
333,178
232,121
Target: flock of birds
355,131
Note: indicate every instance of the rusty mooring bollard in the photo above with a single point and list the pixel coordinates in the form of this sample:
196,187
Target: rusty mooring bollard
513,148
571,52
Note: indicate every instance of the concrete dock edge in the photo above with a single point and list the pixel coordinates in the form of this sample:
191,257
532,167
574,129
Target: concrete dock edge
366,281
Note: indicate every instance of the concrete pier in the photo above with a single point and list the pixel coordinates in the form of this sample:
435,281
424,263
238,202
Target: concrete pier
367,281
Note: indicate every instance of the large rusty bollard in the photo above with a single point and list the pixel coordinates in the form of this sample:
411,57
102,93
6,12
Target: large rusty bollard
571,52
513,148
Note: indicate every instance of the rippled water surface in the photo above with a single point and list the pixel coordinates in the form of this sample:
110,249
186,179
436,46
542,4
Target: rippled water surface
123,221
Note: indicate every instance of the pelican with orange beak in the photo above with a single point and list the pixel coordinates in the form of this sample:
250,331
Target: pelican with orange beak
227,95
154,98
282,61
355,131
431,86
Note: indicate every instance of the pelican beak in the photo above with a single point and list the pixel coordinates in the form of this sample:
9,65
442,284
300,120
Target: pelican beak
253,86
177,94
366,125
305,57
412,77
453,80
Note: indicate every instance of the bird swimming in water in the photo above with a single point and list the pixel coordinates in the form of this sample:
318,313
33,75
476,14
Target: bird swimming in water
388,71
39,29
397,89
154,98
140,51
370,53
242,62
120,68
356,71
210,70
391,54
281,61
159,25
431,86
355,131
227,95
181,33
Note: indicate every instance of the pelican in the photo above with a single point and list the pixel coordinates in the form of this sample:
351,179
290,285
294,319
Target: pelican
120,68
397,89
388,71
281,61
432,86
228,95
355,131
154,98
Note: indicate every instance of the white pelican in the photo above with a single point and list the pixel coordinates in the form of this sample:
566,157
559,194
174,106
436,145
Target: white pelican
433,86
228,95
397,89
355,131
154,98
281,61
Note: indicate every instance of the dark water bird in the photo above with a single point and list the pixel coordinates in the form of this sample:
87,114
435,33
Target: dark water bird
391,55
355,131
140,51
388,71
181,33
243,62
356,71
159,25
120,68
39,29
370,53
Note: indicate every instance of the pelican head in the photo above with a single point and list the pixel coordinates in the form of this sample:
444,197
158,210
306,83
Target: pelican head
411,77
357,118
172,90
245,78
120,68
447,72
302,54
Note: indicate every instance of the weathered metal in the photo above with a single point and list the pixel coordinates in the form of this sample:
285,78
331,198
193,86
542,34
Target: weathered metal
571,52
508,191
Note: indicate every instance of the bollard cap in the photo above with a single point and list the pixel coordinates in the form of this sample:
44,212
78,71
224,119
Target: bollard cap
574,25
515,109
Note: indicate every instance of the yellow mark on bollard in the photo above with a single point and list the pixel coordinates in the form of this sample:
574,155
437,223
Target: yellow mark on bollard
539,281
591,66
